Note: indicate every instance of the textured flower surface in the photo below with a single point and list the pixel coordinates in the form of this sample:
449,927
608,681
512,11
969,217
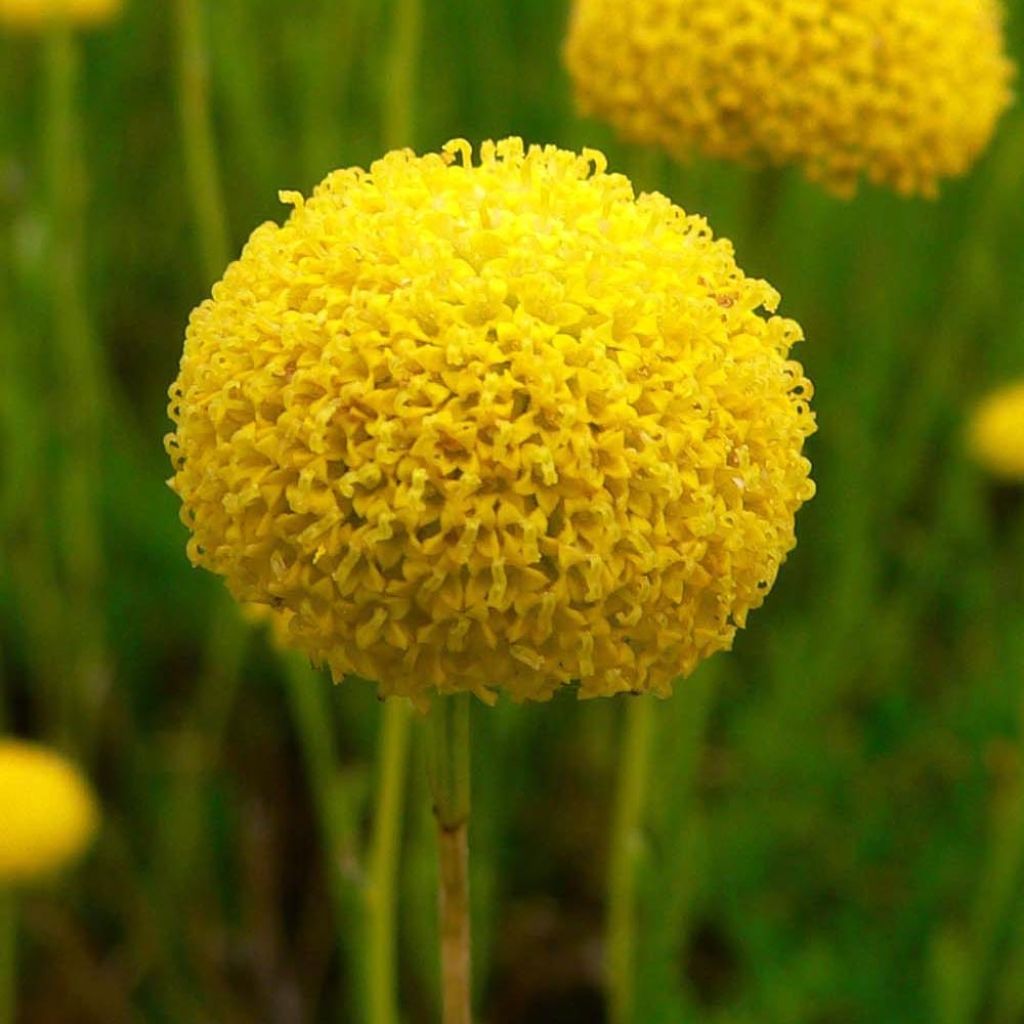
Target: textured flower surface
501,425
905,93
996,432
47,811
32,14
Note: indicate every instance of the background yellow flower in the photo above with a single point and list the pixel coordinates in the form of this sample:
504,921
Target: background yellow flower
996,431
47,811
40,13
904,93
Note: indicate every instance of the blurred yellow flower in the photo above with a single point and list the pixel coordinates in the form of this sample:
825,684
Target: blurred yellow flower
996,432
48,814
495,425
33,14
904,92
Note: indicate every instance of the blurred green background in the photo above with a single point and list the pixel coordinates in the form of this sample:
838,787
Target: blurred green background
835,828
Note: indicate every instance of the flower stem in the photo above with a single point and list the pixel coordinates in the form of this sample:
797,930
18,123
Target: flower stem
382,865
393,742
403,65
197,133
79,393
8,936
997,897
337,801
228,633
627,826
764,201
312,722
450,787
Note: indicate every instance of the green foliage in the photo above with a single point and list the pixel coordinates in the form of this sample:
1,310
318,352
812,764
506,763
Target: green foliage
835,829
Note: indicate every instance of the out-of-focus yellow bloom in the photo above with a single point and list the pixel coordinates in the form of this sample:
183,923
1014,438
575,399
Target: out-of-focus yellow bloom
504,425
996,432
34,14
904,92
48,813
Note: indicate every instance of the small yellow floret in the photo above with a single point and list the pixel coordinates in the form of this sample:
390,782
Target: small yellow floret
905,92
996,432
48,814
34,14
505,425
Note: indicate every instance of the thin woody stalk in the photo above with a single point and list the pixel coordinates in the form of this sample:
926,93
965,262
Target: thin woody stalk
450,786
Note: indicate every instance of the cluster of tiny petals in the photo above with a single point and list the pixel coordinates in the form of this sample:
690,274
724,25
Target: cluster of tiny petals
37,14
48,811
996,432
494,425
903,93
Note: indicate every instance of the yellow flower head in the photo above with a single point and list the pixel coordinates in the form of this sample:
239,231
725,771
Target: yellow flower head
503,425
996,432
48,814
36,14
903,91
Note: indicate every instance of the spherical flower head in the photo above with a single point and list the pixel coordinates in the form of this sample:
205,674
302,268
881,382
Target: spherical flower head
38,14
903,93
48,814
495,425
996,432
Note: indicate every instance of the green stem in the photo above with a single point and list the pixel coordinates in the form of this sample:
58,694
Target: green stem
450,787
997,896
8,951
323,59
643,165
79,392
764,198
402,69
393,742
669,880
626,842
337,806
226,641
197,135
993,949
311,716
382,864
228,635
